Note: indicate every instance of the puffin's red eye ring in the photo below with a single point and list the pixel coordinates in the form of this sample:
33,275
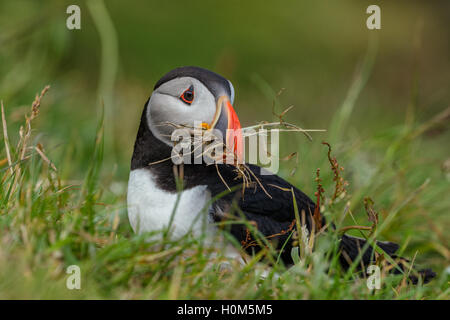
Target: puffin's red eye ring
188,95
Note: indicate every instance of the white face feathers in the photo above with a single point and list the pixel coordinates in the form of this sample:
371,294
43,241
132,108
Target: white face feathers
182,101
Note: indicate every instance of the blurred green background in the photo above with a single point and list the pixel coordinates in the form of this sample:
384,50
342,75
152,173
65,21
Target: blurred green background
316,50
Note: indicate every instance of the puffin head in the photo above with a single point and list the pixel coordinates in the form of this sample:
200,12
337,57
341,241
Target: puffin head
188,96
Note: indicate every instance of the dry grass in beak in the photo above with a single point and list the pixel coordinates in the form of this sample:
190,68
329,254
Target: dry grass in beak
243,172
281,126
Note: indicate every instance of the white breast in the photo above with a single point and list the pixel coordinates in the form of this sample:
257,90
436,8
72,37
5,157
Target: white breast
150,208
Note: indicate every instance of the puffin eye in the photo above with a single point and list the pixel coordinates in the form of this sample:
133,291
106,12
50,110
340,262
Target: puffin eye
188,95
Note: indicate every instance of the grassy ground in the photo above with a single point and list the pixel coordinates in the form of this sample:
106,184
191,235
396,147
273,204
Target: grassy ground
63,181
48,224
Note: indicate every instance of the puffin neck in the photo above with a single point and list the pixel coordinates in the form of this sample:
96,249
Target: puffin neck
147,148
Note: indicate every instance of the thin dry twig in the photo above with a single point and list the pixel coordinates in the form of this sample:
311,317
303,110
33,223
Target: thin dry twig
282,126
345,229
6,139
317,217
248,242
438,120
40,151
340,183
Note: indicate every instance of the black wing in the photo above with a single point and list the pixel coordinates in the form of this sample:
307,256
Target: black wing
274,197
269,195
269,203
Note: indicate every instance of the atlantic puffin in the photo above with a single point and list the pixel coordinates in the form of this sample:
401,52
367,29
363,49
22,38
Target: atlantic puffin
186,96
